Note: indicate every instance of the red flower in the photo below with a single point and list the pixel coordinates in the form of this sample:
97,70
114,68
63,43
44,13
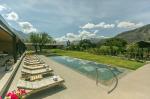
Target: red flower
9,94
16,94
12,95
22,91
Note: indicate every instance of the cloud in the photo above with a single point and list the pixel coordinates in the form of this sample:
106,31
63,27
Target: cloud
128,24
61,39
86,34
88,26
81,35
2,7
13,16
27,27
100,25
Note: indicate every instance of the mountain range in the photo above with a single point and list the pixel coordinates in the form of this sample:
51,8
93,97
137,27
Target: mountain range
135,35
21,34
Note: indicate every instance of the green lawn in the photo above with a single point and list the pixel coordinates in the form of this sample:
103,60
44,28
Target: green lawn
114,61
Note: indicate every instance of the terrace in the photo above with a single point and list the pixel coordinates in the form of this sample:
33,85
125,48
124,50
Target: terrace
86,75
11,49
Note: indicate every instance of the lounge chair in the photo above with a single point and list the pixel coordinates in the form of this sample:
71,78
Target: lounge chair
38,71
32,60
34,67
45,82
33,87
33,63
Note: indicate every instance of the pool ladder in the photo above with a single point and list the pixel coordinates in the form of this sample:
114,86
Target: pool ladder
115,77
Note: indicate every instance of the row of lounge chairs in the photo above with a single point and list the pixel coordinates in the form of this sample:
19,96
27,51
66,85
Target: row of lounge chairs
46,82
36,75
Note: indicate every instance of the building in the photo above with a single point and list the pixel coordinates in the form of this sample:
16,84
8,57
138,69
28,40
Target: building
46,46
10,42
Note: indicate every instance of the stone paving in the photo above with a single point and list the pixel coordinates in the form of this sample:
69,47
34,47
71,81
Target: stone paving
135,85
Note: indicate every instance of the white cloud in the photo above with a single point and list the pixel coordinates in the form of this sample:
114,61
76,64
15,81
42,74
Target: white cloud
2,7
71,36
81,35
100,25
27,27
61,39
13,16
9,14
128,24
88,26
86,35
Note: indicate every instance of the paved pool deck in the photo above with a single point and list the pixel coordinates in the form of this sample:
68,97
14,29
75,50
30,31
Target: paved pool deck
77,86
13,85
135,85
9,76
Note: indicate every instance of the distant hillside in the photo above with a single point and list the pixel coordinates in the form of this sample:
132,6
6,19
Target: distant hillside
139,34
22,35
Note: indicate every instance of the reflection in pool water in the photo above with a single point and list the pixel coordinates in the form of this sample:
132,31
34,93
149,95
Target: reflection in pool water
88,68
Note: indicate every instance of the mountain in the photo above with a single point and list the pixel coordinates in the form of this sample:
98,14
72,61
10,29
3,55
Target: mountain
20,34
138,34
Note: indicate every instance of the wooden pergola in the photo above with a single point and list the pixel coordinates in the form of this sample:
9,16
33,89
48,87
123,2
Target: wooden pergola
10,43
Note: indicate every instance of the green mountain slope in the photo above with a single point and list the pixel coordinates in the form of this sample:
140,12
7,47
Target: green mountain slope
138,34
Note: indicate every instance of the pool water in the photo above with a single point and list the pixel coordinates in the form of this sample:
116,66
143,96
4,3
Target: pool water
88,68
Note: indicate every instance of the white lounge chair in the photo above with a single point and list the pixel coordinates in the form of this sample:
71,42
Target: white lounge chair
45,82
38,71
34,67
33,63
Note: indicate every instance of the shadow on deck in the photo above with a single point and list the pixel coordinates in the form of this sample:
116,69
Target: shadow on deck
47,92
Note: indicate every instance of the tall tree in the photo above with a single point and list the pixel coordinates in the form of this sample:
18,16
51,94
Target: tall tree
34,39
39,40
44,38
117,42
85,44
133,50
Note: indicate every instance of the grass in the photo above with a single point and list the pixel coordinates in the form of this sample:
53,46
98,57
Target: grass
111,60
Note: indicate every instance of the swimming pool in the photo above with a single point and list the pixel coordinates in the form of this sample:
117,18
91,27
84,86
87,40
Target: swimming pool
88,68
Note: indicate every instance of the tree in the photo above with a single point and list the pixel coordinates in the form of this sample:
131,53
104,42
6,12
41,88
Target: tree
85,44
39,40
68,43
115,50
133,50
43,39
116,42
105,50
34,39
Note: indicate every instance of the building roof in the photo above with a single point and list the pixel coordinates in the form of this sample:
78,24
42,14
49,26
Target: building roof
52,44
4,25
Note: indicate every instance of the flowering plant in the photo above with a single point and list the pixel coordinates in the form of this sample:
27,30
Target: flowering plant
16,94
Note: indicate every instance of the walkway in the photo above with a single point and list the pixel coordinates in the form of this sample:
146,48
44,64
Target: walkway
135,85
77,85
13,85
2,72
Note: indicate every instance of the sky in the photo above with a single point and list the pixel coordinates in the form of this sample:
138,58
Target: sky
73,19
